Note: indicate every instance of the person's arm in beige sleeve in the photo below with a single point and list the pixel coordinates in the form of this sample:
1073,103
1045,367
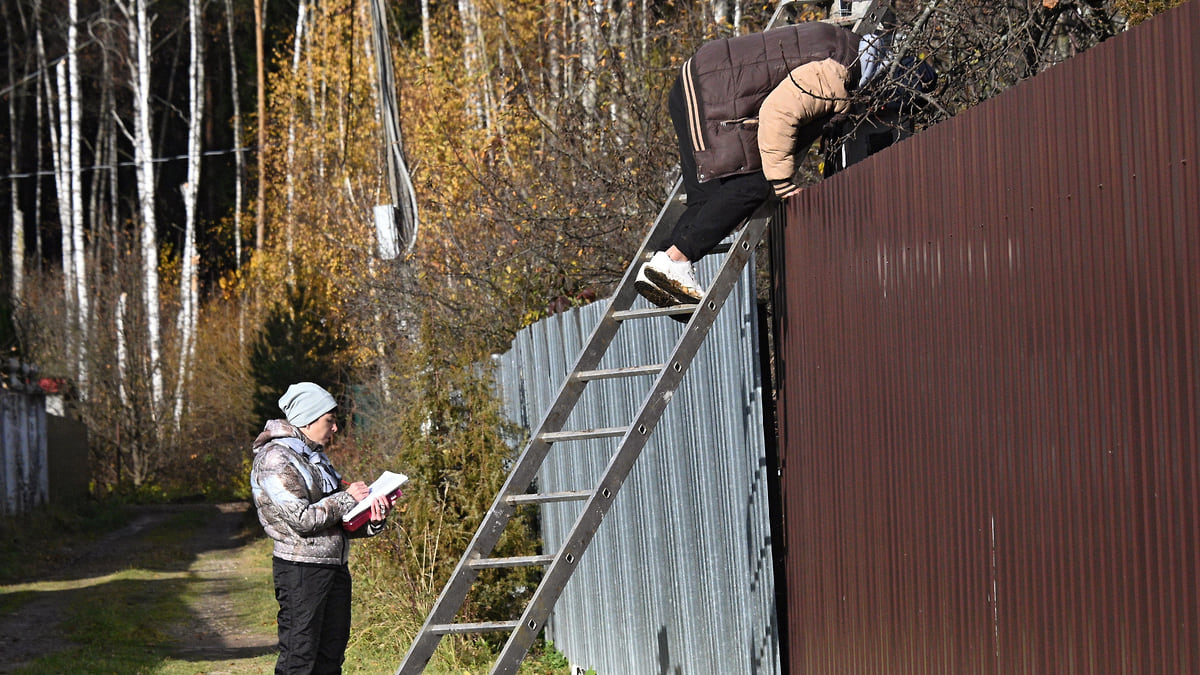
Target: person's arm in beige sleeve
811,93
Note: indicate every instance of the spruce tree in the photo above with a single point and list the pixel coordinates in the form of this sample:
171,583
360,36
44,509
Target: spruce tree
298,342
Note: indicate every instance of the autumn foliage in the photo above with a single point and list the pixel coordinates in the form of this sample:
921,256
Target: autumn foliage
540,152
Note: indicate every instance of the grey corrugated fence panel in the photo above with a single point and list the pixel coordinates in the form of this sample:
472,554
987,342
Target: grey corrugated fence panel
679,577
989,373
24,475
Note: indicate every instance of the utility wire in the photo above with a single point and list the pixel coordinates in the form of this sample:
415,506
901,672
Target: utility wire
154,160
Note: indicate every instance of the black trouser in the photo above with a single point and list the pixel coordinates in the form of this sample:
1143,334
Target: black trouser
714,208
314,617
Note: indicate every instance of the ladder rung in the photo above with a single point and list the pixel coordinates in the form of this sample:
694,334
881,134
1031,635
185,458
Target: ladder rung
607,432
652,369
627,314
460,628
549,497
516,561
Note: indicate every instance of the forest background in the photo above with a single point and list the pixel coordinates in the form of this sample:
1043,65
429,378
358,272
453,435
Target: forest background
189,186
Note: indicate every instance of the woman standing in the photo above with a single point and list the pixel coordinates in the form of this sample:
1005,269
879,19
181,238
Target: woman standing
301,500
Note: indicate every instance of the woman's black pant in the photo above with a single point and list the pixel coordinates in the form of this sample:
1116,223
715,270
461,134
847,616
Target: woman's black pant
314,617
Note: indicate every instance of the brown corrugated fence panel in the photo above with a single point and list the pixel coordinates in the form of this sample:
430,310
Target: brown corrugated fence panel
989,358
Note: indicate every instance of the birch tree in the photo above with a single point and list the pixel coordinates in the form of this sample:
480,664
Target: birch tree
474,60
58,105
65,100
15,116
39,89
139,20
75,164
239,154
107,198
260,216
188,276
289,174
591,14
426,37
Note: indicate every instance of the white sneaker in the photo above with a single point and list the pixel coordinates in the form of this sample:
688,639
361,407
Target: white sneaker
651,291
677,278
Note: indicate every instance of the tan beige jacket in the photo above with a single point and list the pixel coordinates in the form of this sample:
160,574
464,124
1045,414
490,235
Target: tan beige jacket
813,93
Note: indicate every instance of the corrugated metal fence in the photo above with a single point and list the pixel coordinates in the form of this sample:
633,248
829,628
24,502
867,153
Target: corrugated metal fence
990,357
24,471
679,577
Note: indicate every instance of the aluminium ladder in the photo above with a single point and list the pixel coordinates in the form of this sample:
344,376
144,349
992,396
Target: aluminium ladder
634,436
668,375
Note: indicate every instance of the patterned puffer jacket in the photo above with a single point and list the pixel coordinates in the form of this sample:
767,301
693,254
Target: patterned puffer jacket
299,502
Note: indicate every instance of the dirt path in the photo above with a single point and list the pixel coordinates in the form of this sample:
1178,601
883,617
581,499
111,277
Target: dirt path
212,633
215,634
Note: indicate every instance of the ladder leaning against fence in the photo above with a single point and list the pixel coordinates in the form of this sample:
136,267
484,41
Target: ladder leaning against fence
633,437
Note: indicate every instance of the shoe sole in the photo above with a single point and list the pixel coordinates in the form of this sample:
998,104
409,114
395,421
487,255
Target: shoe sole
660,298
674,288
657,296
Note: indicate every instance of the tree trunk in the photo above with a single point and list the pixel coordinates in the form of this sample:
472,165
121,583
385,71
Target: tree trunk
75,166
589,59
189,278
290,156
122,353
260,226
15,116
58,103
39,90
108,156
426,39
139,30
239,159
473,60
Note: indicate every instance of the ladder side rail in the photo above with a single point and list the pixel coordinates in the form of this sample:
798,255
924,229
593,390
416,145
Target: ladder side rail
577,540
664,222
873,17
524,470
527,465
870,20
602,335
785,8
529,462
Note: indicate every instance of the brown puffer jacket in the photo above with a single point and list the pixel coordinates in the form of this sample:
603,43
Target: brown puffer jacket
295,509
757,101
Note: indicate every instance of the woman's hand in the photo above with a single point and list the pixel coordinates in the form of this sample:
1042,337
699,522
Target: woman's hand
380,506
359,490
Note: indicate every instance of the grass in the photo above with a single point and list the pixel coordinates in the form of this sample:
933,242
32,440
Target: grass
135,619
387,617
47,538
128,620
